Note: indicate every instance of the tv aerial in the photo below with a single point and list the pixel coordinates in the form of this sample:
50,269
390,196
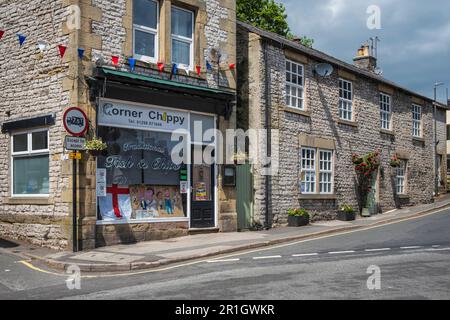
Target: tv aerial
324,69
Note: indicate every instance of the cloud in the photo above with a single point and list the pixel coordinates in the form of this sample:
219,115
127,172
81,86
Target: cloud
415,35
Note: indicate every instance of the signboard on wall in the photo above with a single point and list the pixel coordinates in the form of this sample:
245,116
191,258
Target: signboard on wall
125,115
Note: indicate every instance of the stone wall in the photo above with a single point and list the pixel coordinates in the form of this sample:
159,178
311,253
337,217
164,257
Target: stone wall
32,85
321,120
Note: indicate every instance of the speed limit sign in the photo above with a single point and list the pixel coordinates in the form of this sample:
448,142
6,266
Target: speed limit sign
75,121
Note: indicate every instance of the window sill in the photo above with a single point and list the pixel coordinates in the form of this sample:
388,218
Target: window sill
348,123
418,139
317,197
304,113
30,201
403,196
388,132
167,69
140,221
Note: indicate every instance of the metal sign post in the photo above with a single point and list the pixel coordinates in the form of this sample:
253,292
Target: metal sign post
76,123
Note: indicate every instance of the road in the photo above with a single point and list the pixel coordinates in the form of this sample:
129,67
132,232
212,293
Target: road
413,258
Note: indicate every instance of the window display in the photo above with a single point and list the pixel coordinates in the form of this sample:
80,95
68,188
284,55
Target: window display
142,182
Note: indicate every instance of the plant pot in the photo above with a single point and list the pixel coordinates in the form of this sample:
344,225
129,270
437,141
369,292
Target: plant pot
298,221
346,216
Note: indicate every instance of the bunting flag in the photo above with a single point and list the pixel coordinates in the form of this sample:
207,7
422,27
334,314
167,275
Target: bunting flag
208,66
160,67
232,66
1,34
174,69
81,53
115,60
42,46
62,50
22,39
132,62
199,70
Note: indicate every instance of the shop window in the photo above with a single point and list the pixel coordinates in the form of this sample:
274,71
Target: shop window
294,85
417,120
316,163
30,164
345,100
385,111
141,180
182,38
145,30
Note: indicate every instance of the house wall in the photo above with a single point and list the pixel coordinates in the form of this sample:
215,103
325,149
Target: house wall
320,122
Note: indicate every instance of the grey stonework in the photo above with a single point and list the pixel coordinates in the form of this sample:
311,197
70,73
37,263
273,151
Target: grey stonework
30,86
321,121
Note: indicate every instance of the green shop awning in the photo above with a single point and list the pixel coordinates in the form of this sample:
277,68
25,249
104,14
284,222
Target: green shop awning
173,86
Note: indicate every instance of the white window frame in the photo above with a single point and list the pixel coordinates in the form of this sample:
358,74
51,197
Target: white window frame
401,178
148,30
348,103
290,85
310,172
29,153
417,123
326,171
190,41
386,111
316,171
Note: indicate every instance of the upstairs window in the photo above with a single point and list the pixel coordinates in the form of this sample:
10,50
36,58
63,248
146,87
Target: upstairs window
145,30
183,38
345,100
294,85
385,111
417,120
30,164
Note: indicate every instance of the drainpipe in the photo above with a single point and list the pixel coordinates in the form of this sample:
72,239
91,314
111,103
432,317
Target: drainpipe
268,127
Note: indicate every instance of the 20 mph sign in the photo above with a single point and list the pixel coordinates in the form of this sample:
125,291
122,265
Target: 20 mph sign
75,122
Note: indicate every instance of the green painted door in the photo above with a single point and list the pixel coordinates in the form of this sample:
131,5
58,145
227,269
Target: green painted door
244,188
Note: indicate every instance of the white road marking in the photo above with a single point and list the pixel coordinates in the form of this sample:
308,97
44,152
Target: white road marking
436,246
411,248
7,270
268,257
377,250
442,249
305,255
341,252
223,261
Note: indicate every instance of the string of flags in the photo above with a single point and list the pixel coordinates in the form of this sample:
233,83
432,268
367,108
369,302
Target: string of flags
115,60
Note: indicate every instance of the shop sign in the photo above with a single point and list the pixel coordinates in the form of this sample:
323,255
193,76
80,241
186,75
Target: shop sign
141,117
75,122
75,156
74,143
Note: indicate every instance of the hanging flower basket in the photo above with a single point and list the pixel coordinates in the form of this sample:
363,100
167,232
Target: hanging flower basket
394,162
95,147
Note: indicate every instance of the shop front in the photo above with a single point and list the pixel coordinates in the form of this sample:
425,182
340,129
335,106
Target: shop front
152,181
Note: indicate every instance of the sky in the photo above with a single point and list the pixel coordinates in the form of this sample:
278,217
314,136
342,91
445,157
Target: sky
415,36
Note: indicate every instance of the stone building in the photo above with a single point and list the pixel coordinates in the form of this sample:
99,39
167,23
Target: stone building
180,72
323,116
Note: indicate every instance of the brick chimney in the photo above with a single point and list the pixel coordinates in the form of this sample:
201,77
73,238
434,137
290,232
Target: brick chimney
365,59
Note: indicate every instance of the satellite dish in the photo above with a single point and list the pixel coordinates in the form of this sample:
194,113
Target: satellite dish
324,69
217,55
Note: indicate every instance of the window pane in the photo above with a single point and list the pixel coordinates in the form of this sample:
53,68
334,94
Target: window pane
181,52
20,143
144,43
181,23
145,13
39,140
31,175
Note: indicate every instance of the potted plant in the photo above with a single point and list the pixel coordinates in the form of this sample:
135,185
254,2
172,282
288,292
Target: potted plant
298,217
394,162
346,213
95,147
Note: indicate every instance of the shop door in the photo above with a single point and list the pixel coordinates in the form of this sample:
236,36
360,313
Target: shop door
203,201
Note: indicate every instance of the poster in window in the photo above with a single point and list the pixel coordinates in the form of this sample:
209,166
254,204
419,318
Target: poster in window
202,183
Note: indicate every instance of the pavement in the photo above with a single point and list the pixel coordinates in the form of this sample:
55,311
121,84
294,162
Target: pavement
156,254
